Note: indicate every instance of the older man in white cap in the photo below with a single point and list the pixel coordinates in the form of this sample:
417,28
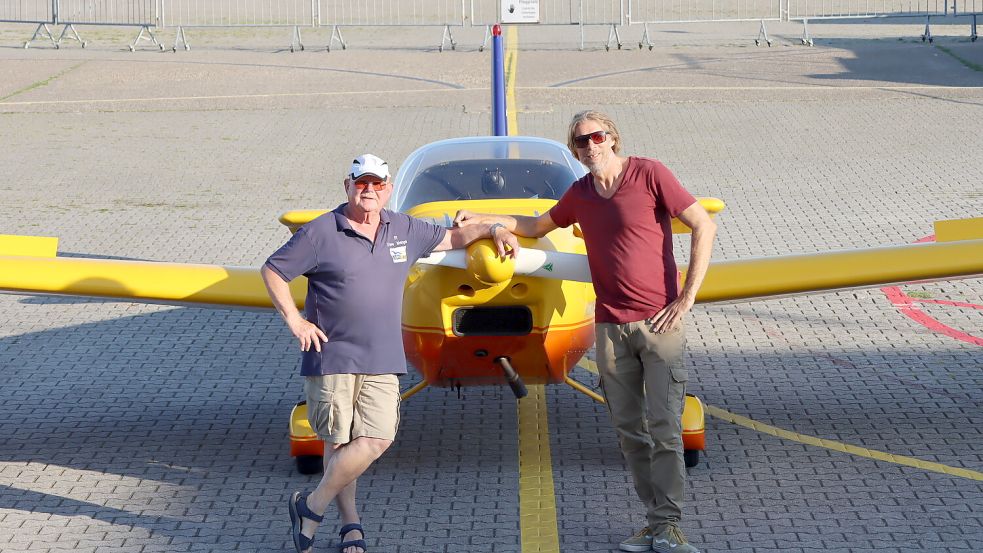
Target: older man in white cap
356,259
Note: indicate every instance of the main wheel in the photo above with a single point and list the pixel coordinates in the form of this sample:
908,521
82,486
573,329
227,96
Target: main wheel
690,456
311,464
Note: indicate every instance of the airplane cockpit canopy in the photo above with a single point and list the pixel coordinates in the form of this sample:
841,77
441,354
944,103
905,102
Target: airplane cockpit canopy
486,168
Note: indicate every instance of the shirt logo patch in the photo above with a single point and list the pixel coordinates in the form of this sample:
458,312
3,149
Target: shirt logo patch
398,254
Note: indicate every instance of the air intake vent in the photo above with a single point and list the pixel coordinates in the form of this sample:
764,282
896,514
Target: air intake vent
493,321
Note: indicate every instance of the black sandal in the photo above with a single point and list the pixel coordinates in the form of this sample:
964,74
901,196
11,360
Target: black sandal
351,543
299,511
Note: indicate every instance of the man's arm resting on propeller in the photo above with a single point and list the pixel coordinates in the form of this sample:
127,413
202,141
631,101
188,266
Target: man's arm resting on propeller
459,237
306,332
533,227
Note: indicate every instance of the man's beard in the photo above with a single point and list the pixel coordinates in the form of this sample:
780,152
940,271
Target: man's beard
597,166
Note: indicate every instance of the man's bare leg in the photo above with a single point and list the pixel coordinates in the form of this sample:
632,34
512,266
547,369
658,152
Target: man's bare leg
345,501
344,466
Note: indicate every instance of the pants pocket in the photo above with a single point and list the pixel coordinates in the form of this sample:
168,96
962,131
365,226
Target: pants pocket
680,375
323,418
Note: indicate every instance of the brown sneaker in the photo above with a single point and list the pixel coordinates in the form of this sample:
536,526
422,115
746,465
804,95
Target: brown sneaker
671,540
641,541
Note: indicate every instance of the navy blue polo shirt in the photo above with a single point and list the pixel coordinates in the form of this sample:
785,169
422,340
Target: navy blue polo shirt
355,288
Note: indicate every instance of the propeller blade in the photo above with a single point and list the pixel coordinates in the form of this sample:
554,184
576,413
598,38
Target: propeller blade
528,262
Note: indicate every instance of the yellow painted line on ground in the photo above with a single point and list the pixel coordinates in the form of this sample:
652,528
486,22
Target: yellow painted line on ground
723,415
511,58
537,499
537,495
842,447
588,365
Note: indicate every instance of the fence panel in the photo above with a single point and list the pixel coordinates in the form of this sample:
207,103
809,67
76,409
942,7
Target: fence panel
698,11
368,13
238,13
799,10
602,12
27,11
107,12
967,7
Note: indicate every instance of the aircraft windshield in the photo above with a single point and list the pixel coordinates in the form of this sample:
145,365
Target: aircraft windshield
488,170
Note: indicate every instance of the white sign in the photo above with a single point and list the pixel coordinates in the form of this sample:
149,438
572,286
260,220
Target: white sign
520,11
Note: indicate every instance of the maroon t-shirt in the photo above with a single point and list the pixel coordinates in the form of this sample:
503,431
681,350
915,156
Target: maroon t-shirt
629,238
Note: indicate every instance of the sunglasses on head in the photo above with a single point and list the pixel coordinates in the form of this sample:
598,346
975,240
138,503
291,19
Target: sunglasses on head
376,185
596,137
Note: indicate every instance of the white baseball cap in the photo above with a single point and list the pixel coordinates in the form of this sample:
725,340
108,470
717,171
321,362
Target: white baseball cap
368,164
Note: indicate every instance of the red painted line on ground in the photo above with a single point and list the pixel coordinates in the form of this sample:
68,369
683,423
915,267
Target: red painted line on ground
906,304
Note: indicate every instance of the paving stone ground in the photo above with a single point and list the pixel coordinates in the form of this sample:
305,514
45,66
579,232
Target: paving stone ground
128,427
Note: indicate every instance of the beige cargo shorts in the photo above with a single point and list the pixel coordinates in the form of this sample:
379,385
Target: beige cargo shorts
342,407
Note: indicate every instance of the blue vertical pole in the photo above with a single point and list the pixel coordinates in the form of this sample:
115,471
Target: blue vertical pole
499,121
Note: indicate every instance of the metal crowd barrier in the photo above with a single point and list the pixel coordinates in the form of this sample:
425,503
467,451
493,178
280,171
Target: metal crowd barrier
150,15
582,13
651,12
970,8
128,13
405,13
806,10
37,12
69,13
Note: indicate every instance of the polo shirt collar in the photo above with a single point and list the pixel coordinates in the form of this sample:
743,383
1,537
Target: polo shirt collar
342,221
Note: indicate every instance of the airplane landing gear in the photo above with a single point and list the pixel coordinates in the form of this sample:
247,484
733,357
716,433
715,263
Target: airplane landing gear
515,382
312,464
691,457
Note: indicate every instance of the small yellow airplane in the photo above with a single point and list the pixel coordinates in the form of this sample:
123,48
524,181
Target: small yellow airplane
471,318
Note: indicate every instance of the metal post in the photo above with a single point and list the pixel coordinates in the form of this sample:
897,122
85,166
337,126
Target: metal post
499,122
581,24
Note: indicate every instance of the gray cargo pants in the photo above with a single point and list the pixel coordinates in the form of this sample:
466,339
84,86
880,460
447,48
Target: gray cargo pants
644,383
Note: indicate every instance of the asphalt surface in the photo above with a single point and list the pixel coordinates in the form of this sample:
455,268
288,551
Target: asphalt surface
130,427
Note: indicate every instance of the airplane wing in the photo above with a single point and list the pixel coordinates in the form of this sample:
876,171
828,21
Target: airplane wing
179,283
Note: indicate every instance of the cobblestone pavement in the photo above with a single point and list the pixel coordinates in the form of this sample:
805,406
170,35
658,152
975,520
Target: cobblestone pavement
128,427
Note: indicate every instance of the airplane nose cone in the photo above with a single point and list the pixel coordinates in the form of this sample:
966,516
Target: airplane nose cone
485,265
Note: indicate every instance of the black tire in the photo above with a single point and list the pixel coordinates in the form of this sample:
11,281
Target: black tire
690,456
309,464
